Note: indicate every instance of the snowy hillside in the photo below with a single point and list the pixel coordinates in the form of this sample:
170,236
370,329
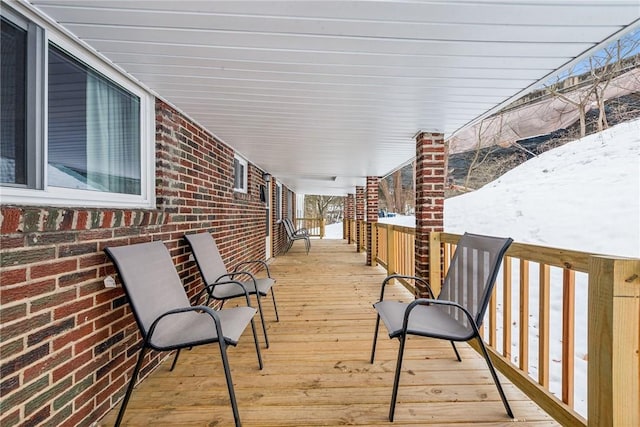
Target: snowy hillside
584,195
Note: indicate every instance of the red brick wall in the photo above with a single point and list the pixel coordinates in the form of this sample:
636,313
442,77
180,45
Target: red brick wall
348,214
67,343
360,213
430,183
372,213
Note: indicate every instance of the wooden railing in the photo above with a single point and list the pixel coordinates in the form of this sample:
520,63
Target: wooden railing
315,226
533,280
396,250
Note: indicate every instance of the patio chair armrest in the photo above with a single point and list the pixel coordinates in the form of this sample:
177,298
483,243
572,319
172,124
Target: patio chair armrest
254,261
301,231
209,289
211,312
429,301
234,282
233,274
403,276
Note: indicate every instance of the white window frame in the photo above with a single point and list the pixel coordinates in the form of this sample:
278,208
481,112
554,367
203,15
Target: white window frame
289,204
41,193
278,201
245,173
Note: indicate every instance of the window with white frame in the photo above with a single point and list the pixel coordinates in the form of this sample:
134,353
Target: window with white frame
278,201
240,169
73,129
289,204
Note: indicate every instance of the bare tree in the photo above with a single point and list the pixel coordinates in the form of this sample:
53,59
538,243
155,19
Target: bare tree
607,65
327,207
396,195
481,155
386,201
587,82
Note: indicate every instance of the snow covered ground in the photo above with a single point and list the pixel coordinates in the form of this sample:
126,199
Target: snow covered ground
585,196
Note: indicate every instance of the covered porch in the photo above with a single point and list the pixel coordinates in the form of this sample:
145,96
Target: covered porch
317,369
243,107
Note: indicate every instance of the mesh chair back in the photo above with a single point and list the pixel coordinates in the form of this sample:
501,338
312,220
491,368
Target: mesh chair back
288,225
149,279
472,274
205,250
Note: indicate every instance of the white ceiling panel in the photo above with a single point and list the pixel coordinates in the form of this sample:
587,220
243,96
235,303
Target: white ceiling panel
324,93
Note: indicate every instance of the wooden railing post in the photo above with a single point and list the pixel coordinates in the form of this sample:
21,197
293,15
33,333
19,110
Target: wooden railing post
322,225
373,241
391,250
435,274
614,342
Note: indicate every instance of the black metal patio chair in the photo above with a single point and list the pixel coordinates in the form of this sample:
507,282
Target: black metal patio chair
294,234
215,276
457,313
166,319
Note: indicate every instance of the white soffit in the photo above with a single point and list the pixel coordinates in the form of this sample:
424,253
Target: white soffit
337,89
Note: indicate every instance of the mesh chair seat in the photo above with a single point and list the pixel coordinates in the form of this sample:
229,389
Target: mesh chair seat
425,320
193,328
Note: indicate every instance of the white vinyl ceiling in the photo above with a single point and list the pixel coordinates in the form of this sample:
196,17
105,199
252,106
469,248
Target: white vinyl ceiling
324,93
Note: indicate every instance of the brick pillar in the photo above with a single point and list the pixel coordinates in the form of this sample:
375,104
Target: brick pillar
372,216
430,183
359,215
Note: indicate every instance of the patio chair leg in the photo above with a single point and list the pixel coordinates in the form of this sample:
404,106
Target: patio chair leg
227,375
275,306
375,339
132,383
396,380
264,326
495,377
456,350
175,360
255,340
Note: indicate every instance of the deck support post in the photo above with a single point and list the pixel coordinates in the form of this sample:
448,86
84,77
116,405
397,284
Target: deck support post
430,183
613,378
372,218
349,213
360,207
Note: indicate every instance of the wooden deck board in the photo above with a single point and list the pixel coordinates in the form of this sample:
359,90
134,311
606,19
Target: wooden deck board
317,369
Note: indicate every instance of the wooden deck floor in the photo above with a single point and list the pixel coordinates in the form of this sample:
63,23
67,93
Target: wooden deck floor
317,369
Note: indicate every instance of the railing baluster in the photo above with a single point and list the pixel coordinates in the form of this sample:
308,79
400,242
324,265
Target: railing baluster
543,323
568,334
506,307
524,316
492,318
391,250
